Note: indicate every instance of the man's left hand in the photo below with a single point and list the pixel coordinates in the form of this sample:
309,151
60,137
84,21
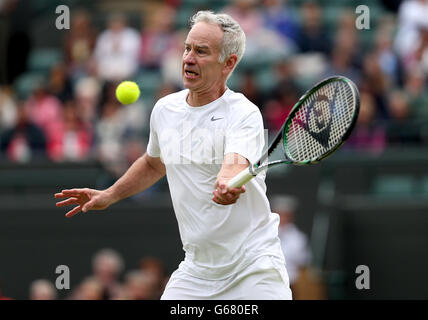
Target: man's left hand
225,196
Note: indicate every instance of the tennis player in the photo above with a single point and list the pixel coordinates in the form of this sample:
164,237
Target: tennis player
200,138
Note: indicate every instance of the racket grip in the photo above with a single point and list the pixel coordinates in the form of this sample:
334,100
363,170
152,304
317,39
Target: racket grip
240,179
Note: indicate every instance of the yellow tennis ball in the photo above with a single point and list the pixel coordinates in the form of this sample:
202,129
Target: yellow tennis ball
127,92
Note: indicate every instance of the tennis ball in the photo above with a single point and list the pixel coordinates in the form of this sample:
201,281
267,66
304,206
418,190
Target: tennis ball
127,92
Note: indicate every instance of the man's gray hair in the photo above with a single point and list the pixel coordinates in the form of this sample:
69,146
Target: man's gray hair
233,37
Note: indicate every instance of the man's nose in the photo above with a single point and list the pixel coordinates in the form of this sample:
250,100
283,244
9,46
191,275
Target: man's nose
189,58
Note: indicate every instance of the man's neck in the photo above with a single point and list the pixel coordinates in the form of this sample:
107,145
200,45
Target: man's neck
197,99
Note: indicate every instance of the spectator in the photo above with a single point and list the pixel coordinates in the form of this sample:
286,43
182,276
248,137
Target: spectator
398,106
89,289
293,241
386,57
368,134
171,62
59,84
157,36
23,142
79,45
42,290
109,132
140,285
285,71
280,18
283,96
341,64
117,49
312,36
109,149
116,127
45,111
400,129
419,58
8,109
155,267
277,109
73,138
87,93
412,15
107,265
251,89
247,15
259,39
347,38
374,81
305,281
415,86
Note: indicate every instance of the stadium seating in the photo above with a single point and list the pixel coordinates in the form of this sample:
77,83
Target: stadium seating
394,186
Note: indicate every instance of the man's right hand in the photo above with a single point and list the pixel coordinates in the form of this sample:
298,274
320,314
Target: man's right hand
85,199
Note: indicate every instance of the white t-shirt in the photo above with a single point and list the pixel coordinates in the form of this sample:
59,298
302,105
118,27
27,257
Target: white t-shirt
116,54
412,15
218,240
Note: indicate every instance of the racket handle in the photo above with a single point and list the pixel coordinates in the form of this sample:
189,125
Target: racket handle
240,179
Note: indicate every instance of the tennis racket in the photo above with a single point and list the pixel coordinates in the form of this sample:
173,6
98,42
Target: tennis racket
319,123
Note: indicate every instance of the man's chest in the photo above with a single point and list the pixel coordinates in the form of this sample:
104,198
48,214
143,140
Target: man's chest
193,137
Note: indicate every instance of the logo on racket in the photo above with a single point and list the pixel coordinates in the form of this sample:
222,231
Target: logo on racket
318,116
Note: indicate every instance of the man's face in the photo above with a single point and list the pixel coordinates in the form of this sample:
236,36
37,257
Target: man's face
201,69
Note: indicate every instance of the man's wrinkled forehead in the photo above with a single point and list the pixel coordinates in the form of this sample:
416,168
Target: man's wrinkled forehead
205,34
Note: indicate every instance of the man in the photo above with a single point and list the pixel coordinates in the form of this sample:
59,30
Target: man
116,50
230,236
107,264
293,241
42,289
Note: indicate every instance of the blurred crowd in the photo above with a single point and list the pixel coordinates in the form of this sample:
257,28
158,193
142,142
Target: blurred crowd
109,280
73,115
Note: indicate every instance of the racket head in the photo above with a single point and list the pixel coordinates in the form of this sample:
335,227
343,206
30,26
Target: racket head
321,121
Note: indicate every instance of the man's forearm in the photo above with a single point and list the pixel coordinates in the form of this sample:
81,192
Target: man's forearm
233,164
141,175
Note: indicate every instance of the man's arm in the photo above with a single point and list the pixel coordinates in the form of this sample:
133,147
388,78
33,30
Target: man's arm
233,163
143,173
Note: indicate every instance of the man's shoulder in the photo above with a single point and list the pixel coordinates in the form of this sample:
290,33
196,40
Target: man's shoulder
238,102
172,98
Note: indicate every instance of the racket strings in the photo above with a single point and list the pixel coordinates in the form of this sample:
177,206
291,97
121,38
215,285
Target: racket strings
321,122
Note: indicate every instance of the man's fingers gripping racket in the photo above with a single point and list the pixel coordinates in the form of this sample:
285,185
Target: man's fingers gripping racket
240,179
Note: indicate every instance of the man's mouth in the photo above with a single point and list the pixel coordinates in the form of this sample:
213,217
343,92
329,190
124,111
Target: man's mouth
190,74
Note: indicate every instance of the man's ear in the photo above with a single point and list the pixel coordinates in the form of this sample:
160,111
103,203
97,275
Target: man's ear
230,63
